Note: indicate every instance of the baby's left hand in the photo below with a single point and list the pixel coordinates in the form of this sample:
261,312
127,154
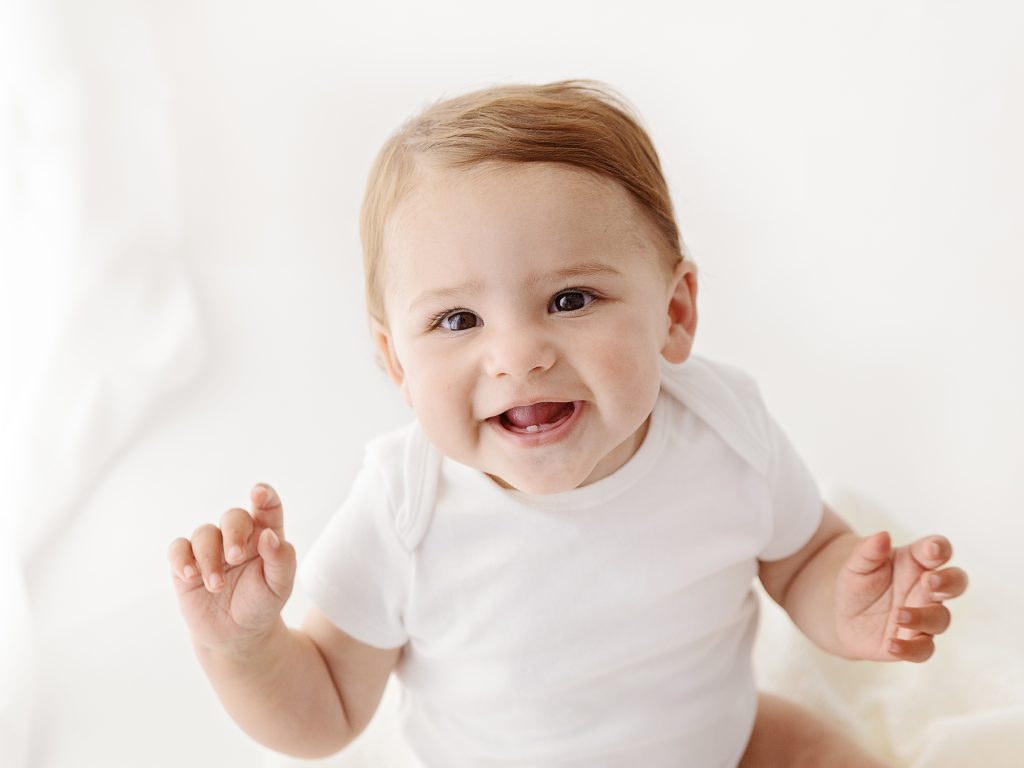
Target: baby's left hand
889,602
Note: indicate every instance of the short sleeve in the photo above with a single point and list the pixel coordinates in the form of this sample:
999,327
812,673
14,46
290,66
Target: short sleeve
358,571
796,505
730,401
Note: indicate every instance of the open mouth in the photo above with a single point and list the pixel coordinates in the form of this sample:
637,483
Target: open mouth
536,418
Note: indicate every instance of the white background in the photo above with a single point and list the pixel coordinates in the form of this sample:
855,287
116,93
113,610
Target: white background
181,310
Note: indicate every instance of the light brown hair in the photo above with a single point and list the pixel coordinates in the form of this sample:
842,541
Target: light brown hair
583,123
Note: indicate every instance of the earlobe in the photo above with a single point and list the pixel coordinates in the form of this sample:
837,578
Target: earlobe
681,317
386,351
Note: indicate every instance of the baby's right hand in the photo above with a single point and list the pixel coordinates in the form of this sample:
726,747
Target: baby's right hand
233,581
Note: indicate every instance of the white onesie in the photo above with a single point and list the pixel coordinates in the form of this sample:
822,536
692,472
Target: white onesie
610,625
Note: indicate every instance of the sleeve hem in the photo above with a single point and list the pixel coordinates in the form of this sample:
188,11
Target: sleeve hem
794,538
347,620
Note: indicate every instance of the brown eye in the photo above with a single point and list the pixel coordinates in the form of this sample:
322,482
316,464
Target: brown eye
570,301
460,321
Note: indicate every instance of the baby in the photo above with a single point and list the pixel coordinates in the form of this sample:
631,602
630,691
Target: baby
556,557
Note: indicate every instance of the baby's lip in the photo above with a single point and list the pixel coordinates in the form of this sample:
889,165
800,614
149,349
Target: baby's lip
530,401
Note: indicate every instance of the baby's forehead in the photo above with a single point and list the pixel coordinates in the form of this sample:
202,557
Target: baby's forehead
506,221
431,173
570,189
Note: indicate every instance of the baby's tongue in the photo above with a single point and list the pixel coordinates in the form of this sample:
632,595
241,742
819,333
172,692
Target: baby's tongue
538,413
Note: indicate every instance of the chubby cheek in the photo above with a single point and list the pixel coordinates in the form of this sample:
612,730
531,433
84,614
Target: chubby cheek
629,377
443,402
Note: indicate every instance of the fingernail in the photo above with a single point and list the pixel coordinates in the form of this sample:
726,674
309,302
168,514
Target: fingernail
273,540
934,549
903,617
215,581
189,572
894,647
934,580
235,554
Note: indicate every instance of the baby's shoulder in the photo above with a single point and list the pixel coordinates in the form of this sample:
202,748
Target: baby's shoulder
728,399
713,380
409,466
387,449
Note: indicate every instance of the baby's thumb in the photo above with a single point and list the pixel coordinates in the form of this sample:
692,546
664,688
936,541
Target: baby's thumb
870,553
278,563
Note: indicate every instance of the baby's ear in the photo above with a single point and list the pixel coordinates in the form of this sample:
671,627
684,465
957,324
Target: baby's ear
386,349
682,312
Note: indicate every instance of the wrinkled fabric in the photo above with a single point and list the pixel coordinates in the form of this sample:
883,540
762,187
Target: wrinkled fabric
101,321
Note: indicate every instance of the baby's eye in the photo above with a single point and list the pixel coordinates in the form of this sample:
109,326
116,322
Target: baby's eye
570,301
460,320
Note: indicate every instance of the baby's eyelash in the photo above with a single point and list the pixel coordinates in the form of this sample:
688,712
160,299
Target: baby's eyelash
434,321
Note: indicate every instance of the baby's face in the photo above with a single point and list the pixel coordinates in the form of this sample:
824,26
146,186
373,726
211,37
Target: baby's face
528,307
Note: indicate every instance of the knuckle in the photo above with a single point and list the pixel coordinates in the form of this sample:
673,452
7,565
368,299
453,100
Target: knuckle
288,552
204,532
209,557
177,549
235,519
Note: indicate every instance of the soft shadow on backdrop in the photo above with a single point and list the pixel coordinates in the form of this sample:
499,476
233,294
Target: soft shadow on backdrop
181,312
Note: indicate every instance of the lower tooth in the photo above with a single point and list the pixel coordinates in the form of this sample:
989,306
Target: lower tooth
533,428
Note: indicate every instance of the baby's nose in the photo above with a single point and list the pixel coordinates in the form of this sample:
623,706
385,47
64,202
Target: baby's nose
518,352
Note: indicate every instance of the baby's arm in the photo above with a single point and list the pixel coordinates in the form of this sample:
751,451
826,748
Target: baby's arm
860,598
307,692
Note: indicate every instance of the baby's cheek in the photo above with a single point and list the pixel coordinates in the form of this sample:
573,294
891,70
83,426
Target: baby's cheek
444,407
632,376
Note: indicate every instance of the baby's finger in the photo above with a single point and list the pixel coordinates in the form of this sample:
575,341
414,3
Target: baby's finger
931,551
266,508
236,527
870,554
916,649
931,619
208,548
946,584
181,560
279,563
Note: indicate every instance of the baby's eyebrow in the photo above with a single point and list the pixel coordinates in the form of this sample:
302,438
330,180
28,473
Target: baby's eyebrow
588,269
435,294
